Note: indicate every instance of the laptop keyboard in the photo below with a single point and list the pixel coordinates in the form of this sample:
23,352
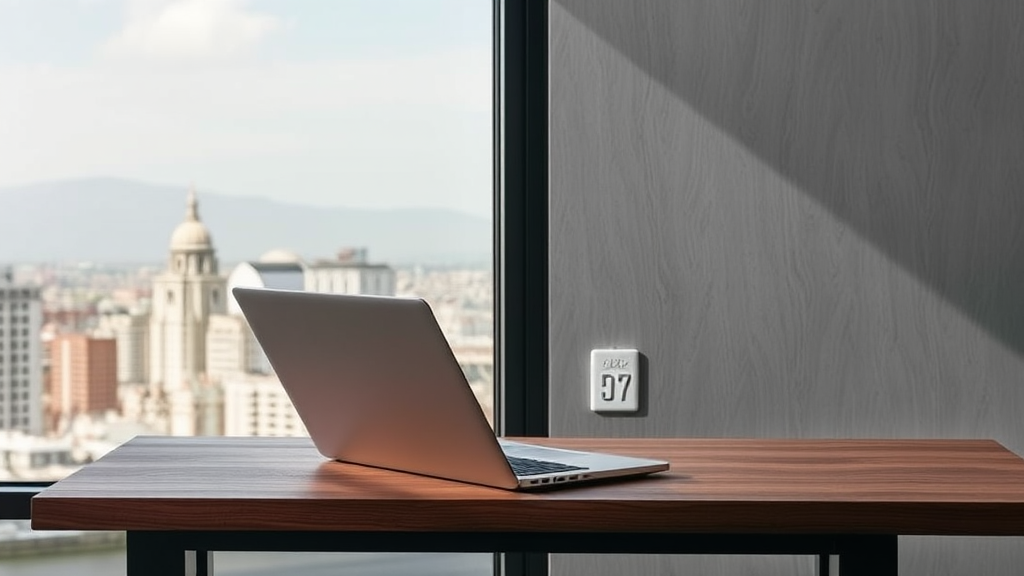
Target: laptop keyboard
531,467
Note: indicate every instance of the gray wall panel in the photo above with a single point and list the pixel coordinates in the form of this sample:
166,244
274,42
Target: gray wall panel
809,216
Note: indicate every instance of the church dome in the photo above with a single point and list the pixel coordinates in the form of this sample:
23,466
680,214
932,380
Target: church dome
191,234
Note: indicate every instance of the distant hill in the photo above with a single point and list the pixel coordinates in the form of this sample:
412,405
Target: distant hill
112,220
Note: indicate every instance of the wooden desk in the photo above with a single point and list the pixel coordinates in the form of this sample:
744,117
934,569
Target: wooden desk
850,498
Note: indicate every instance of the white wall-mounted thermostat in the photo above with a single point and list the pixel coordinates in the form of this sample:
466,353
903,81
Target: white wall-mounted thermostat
615,380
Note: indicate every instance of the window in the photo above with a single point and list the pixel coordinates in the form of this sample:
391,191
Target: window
322,105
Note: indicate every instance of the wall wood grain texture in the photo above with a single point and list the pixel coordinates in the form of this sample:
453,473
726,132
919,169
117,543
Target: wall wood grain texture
808,215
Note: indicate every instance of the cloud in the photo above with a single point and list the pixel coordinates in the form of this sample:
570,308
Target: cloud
415,130
188,30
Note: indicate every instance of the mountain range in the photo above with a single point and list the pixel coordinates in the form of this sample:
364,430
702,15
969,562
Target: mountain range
109,220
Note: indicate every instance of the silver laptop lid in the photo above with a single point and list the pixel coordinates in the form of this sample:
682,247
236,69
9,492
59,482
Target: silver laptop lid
376,383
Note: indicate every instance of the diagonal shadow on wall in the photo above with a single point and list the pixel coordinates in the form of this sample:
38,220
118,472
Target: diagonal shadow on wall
904,119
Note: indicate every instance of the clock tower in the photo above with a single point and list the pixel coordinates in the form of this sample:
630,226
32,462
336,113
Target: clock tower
184,296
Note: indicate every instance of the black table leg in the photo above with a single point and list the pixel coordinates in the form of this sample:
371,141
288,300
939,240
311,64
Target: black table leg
522,564
869,556
149,555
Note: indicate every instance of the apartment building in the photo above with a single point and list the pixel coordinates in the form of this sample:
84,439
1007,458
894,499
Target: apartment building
83,377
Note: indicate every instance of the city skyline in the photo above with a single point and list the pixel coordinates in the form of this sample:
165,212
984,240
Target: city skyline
181,359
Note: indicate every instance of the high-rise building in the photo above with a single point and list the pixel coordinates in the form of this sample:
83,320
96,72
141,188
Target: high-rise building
83,377
21,386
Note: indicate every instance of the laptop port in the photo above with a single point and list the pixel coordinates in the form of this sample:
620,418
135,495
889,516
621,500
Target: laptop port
545,481
534,481
573,477
560,479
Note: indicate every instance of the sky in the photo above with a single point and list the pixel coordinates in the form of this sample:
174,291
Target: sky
359,103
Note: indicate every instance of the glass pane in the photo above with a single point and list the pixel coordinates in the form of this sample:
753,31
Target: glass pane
159,152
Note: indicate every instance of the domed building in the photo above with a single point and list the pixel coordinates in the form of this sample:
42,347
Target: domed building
280,269
185,295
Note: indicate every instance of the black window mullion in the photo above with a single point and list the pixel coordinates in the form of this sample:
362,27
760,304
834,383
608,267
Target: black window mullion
521,217
521,233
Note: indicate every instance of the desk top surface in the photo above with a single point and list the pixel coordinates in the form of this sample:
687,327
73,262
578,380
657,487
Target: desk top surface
969,487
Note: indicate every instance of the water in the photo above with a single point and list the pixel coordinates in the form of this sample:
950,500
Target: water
112,563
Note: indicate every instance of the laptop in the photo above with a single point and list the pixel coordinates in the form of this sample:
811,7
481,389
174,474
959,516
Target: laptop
376,383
